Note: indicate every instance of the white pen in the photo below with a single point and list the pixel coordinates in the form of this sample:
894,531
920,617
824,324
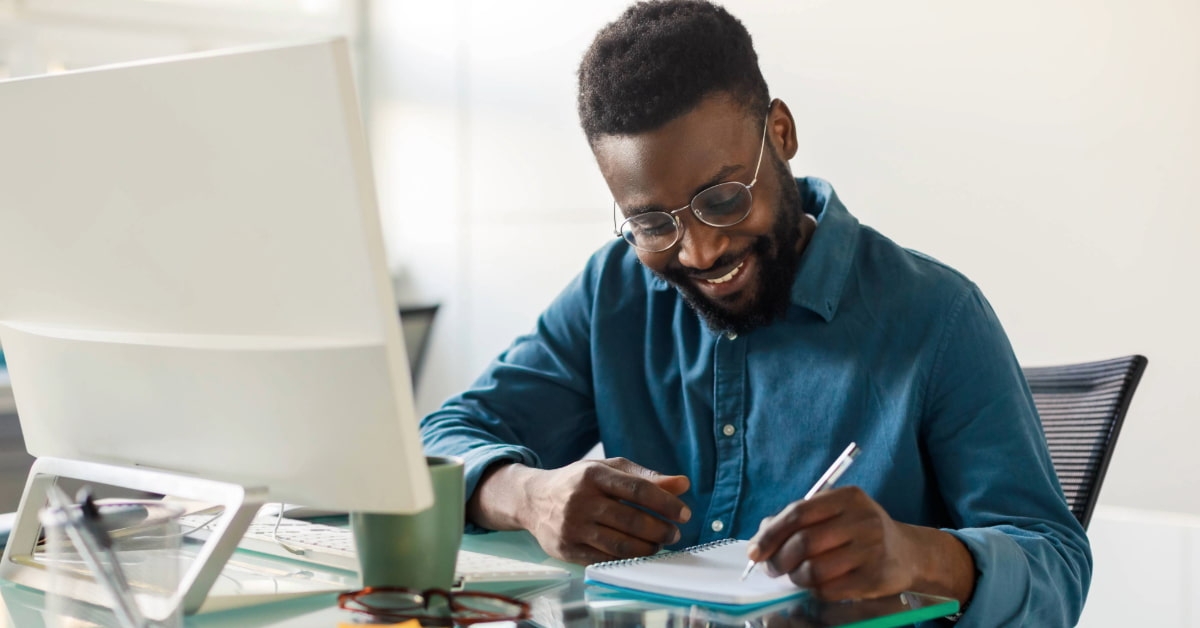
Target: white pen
826,482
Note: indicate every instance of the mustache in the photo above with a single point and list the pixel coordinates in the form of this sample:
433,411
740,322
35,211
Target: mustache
678,270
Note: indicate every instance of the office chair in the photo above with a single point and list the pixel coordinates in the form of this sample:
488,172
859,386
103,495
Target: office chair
1082,407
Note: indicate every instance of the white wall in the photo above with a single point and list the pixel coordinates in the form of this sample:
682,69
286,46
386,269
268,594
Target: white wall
491,198
1043,147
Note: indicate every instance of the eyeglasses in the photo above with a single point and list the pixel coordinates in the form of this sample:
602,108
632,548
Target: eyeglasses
463,608
722,205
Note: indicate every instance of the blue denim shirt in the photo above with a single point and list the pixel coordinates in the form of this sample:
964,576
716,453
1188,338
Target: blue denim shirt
880,345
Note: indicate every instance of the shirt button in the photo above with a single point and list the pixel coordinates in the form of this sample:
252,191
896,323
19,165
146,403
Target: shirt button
728,430
731,336
717,526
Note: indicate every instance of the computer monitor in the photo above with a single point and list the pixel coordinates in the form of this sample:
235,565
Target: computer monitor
193,277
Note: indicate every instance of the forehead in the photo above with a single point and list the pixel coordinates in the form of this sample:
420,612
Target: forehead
663,168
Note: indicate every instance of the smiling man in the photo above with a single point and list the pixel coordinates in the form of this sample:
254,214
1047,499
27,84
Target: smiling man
742,330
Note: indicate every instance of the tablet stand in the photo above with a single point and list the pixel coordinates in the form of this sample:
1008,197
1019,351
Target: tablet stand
240,504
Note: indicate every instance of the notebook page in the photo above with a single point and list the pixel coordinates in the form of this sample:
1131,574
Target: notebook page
705,573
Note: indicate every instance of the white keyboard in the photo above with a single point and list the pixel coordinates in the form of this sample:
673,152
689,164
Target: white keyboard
333,546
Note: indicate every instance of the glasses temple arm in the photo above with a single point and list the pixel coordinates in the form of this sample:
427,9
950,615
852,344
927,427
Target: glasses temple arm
761,147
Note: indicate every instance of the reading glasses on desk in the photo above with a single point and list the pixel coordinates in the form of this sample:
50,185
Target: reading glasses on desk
461,608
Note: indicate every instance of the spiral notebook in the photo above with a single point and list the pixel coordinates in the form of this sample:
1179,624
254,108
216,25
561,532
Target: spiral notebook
707,574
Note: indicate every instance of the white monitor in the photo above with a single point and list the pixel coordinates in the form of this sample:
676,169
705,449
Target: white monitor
193,278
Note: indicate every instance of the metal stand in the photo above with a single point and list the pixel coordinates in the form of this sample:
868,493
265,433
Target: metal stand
240,505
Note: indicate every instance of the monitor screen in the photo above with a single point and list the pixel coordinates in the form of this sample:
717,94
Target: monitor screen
193,277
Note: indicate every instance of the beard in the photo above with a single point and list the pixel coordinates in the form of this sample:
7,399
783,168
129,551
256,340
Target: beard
779,262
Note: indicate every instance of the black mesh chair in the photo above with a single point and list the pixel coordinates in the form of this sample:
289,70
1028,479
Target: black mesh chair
1082,407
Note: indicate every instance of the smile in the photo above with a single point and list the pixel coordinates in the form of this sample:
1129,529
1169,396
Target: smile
729,276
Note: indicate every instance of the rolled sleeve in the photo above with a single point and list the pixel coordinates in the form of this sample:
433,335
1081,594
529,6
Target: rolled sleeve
1024,578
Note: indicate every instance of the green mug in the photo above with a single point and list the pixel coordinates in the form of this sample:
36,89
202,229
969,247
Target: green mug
419,550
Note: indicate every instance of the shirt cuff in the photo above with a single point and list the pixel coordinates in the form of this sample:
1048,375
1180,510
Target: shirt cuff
1002,582
477,461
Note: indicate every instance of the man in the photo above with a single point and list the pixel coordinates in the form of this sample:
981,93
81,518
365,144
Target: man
743,330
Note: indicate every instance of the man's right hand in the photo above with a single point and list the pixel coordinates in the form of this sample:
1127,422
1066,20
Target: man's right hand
584,512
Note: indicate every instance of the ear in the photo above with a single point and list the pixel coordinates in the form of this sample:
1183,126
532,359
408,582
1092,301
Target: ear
781,130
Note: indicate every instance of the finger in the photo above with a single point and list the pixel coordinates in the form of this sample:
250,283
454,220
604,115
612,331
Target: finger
846,587
813,541
820,571
637,523
616,543
857,584
795,516
629,481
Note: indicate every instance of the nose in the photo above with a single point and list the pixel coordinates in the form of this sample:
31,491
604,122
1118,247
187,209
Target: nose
701,245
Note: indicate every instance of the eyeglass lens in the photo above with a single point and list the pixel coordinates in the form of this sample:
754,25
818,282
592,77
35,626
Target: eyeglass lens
463,607
721,205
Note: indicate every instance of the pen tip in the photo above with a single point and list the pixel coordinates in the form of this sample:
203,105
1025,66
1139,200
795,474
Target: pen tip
747,570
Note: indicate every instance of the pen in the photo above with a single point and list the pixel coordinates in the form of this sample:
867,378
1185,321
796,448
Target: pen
826,482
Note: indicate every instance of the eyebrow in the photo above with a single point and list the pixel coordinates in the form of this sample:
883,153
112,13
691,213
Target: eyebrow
720,177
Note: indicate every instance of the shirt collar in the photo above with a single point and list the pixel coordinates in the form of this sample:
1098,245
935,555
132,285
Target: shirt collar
826,261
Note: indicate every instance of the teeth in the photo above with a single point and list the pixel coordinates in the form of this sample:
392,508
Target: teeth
731,275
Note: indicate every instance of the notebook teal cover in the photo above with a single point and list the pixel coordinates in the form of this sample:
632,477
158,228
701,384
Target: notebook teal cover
903,609
738,609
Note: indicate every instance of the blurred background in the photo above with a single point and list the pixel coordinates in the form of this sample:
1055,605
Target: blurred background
1049,149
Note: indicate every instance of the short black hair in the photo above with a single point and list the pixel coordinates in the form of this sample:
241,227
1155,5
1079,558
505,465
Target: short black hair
659,60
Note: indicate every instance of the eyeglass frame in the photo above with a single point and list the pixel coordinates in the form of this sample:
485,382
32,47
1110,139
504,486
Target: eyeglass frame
619,230
425,596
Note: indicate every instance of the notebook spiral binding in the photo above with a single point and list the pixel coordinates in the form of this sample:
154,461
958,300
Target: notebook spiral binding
644,559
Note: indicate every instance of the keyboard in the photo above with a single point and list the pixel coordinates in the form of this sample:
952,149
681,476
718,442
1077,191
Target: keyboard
333,546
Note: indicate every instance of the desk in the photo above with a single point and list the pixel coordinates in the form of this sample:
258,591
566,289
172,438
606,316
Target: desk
565,606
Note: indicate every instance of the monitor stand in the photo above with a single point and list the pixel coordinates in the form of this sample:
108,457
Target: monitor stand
240,504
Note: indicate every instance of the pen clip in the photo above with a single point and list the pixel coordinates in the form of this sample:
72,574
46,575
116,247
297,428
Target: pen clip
835,471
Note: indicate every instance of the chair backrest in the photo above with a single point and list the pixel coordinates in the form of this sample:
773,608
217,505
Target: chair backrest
1082,407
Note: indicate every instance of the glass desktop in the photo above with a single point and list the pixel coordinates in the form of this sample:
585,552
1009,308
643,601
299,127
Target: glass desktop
554,605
